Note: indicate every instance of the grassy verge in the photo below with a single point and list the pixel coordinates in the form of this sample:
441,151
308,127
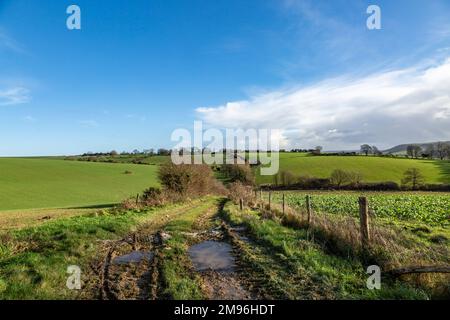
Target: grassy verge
395,243
302,269
33,261
18,219
178,280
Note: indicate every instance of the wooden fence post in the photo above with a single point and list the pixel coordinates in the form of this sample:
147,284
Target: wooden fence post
308,208
364,221
270,199
241,204
137,199
283,203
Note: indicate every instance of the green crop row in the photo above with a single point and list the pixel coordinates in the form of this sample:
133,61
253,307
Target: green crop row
432,208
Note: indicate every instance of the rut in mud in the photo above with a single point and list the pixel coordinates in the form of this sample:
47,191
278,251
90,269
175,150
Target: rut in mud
215,262
131,267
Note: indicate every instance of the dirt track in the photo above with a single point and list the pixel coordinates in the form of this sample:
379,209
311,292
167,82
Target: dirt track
129,268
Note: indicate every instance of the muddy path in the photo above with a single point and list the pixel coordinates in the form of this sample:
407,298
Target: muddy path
215,260
132,268
124,267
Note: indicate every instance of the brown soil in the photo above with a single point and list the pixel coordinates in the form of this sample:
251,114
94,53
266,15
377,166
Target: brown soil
129,269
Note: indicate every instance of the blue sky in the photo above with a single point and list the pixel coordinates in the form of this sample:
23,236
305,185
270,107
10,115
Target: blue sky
140,69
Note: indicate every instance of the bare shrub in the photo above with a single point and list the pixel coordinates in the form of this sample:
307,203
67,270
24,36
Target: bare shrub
355,178
339,177
413,178
287,178
191,180
239,172
129,204
154,197
182,178
238,190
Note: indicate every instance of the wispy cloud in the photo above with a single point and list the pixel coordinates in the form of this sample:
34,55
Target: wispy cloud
326,31
9,43
89,123
136,117
14,95
29,119
385,108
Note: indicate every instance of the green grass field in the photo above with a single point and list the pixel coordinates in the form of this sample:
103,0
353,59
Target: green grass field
48,183
373,169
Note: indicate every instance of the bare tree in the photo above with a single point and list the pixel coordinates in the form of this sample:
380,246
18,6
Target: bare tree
366,149
413,177
318,149
409,151
446,151
441,150
430,151
413,151
339,177
376,151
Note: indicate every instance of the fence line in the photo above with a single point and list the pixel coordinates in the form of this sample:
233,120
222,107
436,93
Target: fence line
364,217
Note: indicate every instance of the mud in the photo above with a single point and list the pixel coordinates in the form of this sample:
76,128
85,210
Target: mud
215,260
224,286
130,267
212,255
133,257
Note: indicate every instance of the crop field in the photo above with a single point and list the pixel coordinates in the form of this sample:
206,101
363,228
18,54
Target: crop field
433,208
30,183
373,169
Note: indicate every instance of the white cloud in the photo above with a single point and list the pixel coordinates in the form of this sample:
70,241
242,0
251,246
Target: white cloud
14,95
386,108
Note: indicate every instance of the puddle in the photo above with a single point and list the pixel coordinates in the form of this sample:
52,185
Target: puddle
238,229
133,257
212,255
243,238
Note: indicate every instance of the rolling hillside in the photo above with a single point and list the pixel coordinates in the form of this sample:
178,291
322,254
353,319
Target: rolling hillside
43,183
373,169
401,149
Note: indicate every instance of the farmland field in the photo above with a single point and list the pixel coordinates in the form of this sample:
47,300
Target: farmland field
373,169
54,214
279,262
27,183
433,208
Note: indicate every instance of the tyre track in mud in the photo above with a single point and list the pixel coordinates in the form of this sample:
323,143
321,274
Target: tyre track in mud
220,284
101,281
142,280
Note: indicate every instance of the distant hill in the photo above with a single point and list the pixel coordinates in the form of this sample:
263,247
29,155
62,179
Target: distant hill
401,148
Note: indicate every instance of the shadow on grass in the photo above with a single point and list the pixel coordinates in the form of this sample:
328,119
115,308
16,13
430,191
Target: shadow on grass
444,170
95,206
